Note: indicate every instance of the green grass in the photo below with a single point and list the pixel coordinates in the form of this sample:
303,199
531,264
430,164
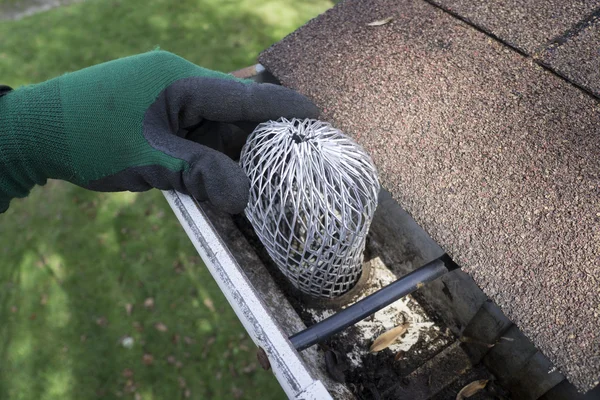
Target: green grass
72,260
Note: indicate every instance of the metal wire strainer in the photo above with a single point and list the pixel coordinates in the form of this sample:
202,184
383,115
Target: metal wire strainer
313,192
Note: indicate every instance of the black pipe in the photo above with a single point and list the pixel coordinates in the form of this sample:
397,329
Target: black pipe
369,305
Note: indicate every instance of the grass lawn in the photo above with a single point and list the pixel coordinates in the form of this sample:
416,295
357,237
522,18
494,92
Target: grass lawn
81,271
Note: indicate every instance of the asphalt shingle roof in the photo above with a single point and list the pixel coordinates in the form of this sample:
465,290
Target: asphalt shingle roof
495,157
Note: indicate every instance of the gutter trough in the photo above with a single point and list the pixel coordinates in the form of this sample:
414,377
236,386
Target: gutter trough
456,333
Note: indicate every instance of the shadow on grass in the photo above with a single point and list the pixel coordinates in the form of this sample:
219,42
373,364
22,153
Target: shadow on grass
80,258
72,260
222,35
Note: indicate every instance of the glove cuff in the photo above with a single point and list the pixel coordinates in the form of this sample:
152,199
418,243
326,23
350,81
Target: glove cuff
33,147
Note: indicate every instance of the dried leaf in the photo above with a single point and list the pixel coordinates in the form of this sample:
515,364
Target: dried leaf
209,304
507,339
467,339
209,342
44,299
161,327
333,366
137,326
471,389
178,267
148,359
182,383
127,373
127,342
137,396
175,338
130,386
381,22
102,321
249,368
263,359
149,303
232,371
171,360
178,364
128,308
388,337
237,393
187,393
399,355
188,340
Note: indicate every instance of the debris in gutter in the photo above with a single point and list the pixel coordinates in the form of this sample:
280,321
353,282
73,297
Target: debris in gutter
399,355
423,336
467,339
471,389
335,366
387,338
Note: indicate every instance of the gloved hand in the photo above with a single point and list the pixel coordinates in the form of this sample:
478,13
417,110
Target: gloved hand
152,120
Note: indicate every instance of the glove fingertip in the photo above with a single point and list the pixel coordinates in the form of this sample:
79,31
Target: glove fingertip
288,103
220,181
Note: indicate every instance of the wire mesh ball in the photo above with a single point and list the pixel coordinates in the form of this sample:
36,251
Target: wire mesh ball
313,193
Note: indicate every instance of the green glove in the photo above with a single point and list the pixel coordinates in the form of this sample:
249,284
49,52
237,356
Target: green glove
152,120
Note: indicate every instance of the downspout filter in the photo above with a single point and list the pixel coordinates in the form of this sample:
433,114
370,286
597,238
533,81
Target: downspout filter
313,193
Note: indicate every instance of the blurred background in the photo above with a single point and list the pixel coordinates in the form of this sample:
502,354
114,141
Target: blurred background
102,296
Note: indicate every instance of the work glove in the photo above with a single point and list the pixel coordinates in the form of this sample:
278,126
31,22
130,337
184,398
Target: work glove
152,120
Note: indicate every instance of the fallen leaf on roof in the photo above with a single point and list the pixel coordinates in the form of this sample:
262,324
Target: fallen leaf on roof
471,389
381,21
384,340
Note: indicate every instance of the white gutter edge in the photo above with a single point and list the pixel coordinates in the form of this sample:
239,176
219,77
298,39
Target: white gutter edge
288,367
